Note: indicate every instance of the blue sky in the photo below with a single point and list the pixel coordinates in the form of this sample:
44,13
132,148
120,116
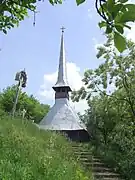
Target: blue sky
37,48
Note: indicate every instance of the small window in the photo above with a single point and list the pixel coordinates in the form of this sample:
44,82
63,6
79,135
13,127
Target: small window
58,89
63,90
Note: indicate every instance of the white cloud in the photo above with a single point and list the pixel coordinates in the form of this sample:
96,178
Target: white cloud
75,81
90,13
130,34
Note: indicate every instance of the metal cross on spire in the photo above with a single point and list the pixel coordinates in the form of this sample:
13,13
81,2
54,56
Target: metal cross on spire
62,28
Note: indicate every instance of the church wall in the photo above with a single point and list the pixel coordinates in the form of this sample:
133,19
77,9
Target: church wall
77,135
61,95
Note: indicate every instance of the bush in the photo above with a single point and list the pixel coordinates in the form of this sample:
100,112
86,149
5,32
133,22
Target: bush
2,113
27,153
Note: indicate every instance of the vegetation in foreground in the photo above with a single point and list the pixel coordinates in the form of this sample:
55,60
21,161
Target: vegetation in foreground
27,153
109,91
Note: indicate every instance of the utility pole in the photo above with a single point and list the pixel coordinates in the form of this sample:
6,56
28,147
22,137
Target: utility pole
21,77
23,113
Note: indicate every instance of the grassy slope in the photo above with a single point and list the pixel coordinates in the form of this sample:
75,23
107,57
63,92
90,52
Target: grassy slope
27,153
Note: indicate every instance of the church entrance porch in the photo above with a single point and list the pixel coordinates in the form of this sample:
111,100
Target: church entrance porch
77,135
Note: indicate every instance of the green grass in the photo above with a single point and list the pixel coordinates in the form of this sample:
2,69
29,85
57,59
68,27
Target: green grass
27,153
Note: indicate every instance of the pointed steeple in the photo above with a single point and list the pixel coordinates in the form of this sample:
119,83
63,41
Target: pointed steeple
62,117
62,81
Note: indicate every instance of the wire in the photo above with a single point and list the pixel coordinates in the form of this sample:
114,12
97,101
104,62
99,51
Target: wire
34,21
102,13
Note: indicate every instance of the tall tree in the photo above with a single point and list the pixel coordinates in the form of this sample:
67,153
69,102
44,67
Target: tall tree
117,71
111,115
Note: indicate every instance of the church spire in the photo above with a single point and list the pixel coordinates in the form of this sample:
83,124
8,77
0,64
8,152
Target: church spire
62,81
62,117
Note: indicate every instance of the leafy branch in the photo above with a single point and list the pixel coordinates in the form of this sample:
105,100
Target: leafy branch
115,14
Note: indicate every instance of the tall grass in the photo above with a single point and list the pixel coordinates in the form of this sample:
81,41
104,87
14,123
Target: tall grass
27,153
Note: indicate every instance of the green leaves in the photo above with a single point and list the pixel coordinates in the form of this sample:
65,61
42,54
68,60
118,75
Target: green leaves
127,17
79,2
55,2
109,29
111,115
12,12
119,42
4,30
116,15
119,28
32,106
128,14
123,1
102,24
110,4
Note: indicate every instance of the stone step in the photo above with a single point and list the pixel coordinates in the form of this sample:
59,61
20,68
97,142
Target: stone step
96,159
89,160
80,149
82,152
106,178
106,175
85,159
94,164
101,169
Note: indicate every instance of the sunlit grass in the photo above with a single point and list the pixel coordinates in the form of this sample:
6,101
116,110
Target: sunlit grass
27,153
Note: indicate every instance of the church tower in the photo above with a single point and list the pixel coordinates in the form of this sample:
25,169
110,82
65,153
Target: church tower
62,117
62,87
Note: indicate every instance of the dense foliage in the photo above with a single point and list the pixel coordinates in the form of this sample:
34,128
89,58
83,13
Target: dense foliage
109,91
34,109
14,11
27,153
115,14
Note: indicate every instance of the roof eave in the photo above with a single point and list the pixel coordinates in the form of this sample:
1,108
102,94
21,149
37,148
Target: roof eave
62,86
